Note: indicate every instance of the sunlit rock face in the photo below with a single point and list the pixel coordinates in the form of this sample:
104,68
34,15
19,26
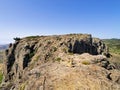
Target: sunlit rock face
63,62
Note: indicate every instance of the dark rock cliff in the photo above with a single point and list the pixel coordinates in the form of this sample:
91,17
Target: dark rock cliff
28,53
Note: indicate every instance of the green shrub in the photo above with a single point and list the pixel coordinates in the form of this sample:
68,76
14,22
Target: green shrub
58,59
16,39
86,62
31,37
22,87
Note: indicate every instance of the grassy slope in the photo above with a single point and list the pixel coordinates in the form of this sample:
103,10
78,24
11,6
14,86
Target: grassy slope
1,57
114,47
1,75
1,63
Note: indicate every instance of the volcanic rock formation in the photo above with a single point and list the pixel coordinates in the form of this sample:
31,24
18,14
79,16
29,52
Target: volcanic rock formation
63,62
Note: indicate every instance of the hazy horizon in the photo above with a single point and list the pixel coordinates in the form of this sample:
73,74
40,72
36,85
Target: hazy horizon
21,18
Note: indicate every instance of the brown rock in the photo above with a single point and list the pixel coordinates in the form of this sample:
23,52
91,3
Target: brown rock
64,62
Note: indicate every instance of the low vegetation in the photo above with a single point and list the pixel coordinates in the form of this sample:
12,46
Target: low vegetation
114,48
1,76
86,62
16,38
22,87
58,59
1,64
1,57
114,45
32,37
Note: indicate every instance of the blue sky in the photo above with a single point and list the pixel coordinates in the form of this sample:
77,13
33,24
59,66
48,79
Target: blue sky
20,18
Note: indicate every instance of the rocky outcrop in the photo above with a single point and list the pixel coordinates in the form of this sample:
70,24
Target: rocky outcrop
49,62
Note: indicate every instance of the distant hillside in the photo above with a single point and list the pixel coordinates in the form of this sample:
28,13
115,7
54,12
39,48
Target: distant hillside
3,47
114,45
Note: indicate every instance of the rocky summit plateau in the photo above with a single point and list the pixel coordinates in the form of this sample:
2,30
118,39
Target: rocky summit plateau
59,62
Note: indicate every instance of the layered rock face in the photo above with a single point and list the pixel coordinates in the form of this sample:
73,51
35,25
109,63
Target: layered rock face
59,63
